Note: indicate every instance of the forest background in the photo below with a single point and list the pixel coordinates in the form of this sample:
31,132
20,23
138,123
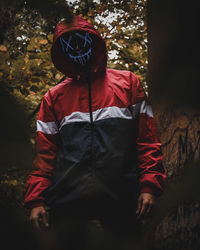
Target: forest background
27,72
146,37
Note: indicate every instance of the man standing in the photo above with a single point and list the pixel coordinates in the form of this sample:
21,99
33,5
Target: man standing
97,149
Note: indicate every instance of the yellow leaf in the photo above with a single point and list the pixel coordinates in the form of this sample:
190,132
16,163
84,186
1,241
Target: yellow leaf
13,182
50,37
58,76
43,41
26,59
3,48
10,78
90,13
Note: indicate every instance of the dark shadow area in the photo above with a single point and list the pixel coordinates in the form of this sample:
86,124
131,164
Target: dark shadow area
173,37
174,90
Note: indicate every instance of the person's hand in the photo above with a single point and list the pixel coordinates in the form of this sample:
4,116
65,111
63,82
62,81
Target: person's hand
38,217
145,203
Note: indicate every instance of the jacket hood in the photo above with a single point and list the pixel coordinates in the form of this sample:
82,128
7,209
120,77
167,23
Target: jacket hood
63,64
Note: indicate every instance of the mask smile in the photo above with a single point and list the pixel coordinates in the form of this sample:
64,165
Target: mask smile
77,46
82,59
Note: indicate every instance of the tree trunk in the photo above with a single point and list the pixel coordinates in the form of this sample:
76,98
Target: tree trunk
174,92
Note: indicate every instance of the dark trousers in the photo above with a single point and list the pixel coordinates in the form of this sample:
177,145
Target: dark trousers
98,224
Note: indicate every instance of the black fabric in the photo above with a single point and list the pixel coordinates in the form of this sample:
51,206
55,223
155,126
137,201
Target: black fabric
96,224
95,163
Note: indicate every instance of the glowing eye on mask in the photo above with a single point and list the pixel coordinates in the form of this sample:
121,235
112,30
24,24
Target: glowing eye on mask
78,47
86,38
66,45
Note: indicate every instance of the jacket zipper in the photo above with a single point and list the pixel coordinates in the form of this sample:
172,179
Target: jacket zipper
90,103
91,124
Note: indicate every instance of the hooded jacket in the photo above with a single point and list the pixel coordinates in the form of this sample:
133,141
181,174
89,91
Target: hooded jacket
96,133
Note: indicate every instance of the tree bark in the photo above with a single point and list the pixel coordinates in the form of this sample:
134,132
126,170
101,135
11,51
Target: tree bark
173,79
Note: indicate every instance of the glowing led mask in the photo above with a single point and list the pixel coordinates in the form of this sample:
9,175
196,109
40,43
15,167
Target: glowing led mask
78,47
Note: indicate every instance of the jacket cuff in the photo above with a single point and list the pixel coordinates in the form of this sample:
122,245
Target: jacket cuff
147,189
151,190
34,204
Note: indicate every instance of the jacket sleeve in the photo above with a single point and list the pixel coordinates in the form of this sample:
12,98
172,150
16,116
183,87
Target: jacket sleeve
151,171
46,150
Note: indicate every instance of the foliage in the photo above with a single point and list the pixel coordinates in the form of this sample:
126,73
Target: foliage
25,64
123,26
12,184
25,57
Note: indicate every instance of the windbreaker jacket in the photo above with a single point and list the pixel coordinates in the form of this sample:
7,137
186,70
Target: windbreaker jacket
96,133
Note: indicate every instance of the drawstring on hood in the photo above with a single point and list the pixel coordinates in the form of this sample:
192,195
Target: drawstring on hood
62,63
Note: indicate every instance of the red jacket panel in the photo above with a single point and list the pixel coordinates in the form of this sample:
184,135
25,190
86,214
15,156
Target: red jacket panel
94,132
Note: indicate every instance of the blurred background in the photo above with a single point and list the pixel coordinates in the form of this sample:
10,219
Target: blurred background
156,40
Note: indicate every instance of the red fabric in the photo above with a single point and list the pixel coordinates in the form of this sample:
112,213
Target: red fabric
152,174
62,63
110,87
46,149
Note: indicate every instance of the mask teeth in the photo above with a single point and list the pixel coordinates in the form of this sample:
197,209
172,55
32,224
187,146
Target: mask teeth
88,55
82,59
